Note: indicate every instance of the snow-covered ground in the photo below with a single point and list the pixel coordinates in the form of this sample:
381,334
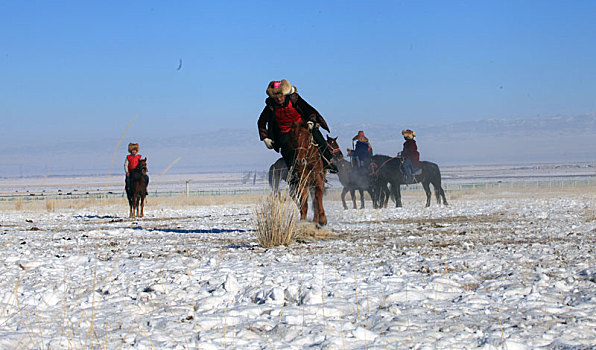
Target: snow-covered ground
492,270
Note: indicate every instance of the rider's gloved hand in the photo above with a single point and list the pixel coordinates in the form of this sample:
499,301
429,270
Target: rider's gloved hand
310,125
268,142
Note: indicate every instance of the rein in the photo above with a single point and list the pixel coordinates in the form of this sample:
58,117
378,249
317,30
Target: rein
373,165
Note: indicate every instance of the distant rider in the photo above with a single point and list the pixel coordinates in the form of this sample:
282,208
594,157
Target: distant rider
283,107
362,151
410,155
130,163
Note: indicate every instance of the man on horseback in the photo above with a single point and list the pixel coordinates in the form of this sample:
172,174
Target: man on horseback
362,151
130,163
411,158
282,108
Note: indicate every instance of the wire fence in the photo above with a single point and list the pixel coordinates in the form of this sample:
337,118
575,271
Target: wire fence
182,189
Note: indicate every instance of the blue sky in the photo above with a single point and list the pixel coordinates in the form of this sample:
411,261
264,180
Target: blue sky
83,69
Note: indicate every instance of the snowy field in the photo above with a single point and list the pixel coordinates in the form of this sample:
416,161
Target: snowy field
495,269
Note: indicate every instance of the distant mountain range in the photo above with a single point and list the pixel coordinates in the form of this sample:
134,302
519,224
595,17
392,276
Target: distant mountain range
493,141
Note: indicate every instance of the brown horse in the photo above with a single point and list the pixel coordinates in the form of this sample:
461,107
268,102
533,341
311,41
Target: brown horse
138,189
308,172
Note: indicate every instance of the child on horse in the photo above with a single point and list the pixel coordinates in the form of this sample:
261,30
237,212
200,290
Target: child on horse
362,151
411,158
130,163
282,108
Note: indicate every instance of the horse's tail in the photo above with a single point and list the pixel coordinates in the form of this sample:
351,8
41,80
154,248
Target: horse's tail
434,176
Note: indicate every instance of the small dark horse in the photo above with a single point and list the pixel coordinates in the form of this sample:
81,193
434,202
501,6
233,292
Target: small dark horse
138,189
386,169
308,171
351,178
278,171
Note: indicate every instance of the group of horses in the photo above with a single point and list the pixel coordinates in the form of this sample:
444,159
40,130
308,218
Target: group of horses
382,178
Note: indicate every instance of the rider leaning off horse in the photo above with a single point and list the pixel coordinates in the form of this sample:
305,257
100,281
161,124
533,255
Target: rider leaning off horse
282,108
411,157
130,163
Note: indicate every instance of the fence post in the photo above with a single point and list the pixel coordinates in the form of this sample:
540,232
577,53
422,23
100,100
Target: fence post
187,189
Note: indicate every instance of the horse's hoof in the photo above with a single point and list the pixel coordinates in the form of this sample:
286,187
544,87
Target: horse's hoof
322,222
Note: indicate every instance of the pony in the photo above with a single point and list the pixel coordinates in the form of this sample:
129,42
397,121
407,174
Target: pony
307,172
138,189
385,169
351,178
277,171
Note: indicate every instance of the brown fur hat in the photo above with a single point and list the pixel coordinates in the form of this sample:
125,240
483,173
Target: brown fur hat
408,134
132,146
280,88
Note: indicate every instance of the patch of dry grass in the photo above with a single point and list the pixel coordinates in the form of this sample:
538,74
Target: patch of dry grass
275,219
53,205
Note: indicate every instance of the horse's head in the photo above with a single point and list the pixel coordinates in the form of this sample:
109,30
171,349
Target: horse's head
303,139
142,166
334,147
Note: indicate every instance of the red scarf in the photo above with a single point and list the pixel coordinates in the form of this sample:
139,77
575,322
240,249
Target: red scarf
285,116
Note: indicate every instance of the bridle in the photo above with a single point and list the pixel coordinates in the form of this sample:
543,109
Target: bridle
305,149
334,151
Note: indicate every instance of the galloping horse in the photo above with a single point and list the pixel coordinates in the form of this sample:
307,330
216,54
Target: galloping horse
351,178
278,171
308,172
386,169
138,189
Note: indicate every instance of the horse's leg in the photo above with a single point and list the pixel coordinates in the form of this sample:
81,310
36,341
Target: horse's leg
318,198
353,194
373,196
343,197
137,204
303,190
396,191
142,204
134,205
361,198
387,193
315,206
426,186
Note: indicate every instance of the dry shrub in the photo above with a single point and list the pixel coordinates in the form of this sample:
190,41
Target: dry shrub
51,205
18,204
276,220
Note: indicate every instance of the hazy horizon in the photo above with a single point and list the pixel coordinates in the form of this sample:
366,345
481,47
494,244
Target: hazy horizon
481,142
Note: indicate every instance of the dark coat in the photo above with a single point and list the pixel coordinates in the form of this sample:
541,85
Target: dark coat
362,150
267,125
411,151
